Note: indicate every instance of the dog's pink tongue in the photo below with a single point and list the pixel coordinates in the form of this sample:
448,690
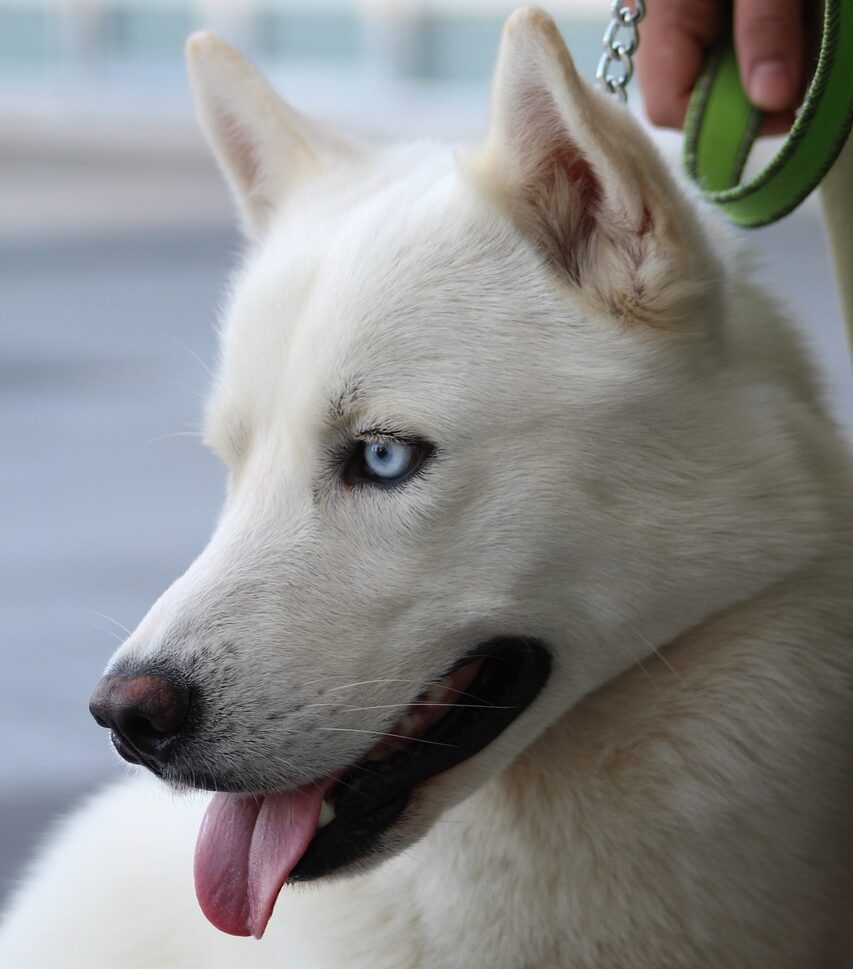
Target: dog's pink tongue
246,848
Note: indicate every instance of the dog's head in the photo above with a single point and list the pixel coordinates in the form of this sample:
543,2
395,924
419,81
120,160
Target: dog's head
483,454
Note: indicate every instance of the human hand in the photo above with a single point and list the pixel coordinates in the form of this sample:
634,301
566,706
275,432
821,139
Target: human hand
770,45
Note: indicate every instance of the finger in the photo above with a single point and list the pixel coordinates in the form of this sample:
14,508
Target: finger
769,44
674,39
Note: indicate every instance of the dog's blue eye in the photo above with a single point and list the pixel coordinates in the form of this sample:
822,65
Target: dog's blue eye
384,460
389,460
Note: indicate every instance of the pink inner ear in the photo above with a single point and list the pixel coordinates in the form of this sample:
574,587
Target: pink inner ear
565,195
565,164
558,163
245,165
560,186
243,153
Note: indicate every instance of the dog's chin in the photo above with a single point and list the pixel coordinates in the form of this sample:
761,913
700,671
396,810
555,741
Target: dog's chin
387,799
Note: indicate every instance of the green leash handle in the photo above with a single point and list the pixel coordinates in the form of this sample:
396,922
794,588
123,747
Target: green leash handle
722,125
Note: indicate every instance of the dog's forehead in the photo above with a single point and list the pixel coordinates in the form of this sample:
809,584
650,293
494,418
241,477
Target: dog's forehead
387,282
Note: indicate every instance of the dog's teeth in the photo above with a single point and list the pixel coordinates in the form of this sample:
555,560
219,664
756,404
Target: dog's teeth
327,814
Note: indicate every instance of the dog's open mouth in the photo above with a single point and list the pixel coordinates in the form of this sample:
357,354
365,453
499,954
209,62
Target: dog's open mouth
249,846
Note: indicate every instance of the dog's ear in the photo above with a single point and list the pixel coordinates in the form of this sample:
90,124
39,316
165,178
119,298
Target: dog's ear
262,144
580,176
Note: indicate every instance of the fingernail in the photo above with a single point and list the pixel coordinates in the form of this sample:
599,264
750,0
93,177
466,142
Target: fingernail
770,85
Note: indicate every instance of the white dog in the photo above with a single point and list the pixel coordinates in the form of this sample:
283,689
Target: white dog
529,610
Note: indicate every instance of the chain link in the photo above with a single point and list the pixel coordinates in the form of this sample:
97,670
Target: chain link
621,40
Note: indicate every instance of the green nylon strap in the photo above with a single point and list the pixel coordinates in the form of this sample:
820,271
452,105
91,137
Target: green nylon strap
722,125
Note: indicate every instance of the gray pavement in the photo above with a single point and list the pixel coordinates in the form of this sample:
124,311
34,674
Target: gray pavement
101,508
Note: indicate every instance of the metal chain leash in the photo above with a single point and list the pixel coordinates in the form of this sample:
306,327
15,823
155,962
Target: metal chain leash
621,40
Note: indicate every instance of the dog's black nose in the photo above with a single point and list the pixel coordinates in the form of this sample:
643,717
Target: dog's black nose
146,713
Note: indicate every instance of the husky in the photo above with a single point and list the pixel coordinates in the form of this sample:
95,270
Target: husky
525,636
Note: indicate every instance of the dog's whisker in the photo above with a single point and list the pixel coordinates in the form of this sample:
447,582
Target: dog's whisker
637,661
109,632
186,387
364,769
189,350
664,660
166,437
380,735
115,622
420,683
425,703
308,778
379,680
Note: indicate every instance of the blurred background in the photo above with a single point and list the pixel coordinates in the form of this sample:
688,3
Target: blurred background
116,238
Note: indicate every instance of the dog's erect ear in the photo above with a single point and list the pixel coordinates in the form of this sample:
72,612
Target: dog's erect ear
581,177
263,145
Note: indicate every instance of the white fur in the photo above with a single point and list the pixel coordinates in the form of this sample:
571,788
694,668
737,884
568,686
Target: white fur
632,465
